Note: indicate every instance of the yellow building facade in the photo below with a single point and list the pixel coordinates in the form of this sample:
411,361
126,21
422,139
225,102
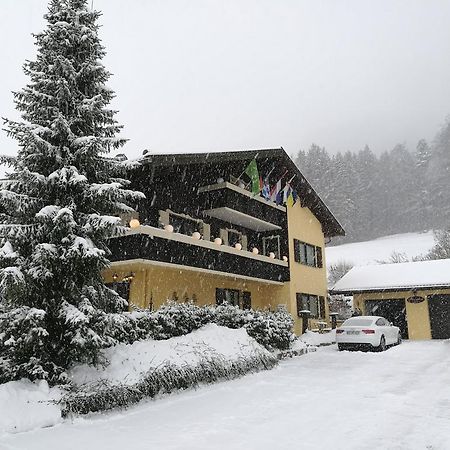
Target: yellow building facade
239,248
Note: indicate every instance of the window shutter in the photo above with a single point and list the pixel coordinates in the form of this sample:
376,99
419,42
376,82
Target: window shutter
319,259
296,250
299,303
322,307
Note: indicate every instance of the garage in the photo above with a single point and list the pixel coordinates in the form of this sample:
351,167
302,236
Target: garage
394,310
415,296
439,310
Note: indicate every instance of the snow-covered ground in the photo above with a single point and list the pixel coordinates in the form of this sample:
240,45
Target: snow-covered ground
399,399
25,406
369,252
314,338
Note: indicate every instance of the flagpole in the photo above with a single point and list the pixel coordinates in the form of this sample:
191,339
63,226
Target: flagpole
271,170
292,178
239,177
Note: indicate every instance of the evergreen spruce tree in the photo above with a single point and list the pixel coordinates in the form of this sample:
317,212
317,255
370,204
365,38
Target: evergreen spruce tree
60,204
423,212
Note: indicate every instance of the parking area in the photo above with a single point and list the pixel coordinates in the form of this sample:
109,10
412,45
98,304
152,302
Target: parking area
398,399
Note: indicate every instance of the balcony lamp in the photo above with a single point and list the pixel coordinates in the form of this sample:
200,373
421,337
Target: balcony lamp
115,277
272,255
238,246
134,223
285,258
255,251
169,228
129,277
218,241
196,235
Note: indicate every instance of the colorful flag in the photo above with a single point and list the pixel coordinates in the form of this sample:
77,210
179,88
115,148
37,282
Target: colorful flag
275,191
265,191
286,192
290,197
252,172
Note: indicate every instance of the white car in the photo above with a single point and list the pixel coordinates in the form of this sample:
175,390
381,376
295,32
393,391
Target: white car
372,332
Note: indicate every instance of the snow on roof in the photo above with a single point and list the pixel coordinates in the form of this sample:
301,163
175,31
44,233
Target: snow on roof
408,275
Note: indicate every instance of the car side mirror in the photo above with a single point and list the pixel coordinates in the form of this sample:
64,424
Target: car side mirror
390,324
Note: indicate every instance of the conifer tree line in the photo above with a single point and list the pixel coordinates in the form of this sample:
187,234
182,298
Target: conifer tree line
401,190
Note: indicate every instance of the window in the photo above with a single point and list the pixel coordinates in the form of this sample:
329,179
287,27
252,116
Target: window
310,255
271,244
357,322
234,237
231,237
183,225
307,254
313,303
246,300
242,299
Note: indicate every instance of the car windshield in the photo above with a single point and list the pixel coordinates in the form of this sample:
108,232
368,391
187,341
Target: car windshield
356,322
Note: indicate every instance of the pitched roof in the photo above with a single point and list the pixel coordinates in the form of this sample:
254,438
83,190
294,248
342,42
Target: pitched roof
308,195
392,277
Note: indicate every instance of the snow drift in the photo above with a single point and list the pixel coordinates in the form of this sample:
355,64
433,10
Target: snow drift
25,405
149,368
135,371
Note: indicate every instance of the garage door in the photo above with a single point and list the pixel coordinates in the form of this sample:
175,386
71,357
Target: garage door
393,310
439,307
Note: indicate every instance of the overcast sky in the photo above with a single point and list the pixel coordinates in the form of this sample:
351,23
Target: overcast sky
205,75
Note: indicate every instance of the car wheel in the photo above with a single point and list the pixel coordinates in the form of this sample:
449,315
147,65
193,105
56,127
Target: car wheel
340,347
399,339
382,346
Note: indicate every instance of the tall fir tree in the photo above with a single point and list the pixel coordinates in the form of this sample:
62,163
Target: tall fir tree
60,204
423,208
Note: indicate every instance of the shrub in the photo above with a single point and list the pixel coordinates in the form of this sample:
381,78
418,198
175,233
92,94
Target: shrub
270,329
164,379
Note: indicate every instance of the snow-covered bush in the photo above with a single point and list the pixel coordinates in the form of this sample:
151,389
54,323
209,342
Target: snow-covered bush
164,379
177,319
230,316
22,336
273,330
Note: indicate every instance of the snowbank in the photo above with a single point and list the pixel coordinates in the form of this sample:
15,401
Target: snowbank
149,368
370,252
313,338
139,370
25,405
128,362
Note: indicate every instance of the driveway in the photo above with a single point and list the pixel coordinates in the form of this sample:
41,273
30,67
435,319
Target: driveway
399,399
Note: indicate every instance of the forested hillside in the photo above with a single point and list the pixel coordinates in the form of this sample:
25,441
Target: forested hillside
399,191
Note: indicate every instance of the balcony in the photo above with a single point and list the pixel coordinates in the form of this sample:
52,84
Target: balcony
174,249
236,205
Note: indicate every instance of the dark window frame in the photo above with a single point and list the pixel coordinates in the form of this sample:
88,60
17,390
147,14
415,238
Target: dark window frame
307,254
311,302
267,240
243,300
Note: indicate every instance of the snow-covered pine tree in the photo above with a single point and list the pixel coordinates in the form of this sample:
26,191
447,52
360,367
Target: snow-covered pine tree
61,202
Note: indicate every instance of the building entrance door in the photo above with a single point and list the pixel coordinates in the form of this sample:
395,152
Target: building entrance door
439,309
393,310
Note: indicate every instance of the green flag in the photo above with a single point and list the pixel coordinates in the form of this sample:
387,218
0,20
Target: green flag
252,172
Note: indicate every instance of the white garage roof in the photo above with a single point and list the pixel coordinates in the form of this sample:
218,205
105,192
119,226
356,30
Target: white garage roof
402,276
